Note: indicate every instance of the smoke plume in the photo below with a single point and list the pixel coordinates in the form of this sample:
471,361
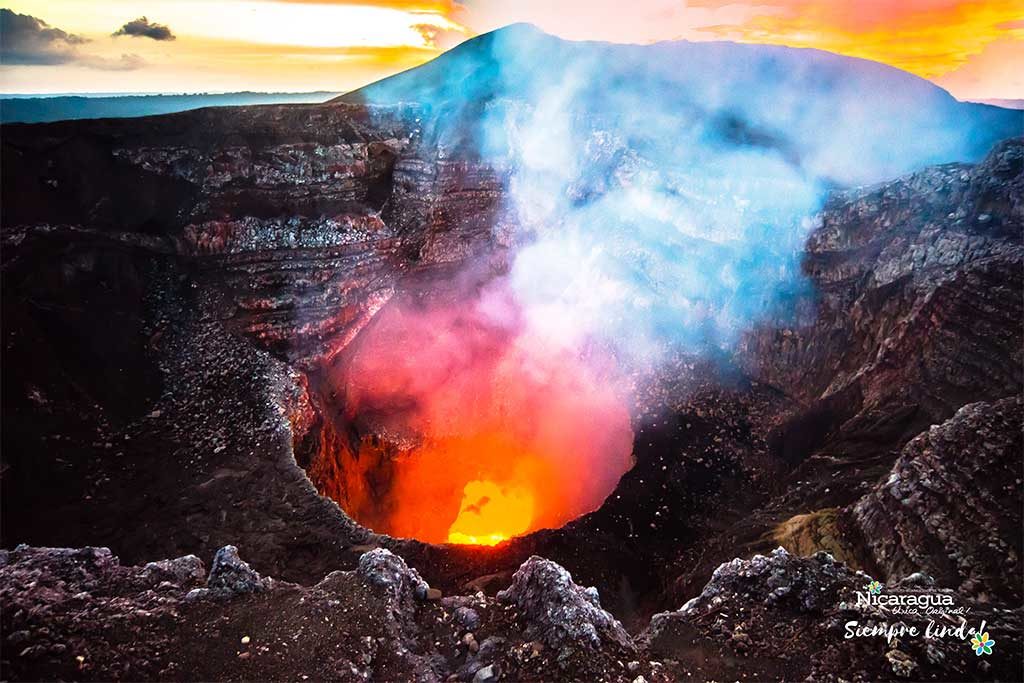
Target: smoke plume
662,196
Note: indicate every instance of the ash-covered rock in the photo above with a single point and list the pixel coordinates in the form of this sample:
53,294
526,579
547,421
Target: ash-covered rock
789,617
232,574
917,282
803,585
69,614
384,570
183,571
229,577
951,506
467,617
565,617
78,614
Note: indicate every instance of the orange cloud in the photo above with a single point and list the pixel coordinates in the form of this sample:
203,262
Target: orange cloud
926,37
994,73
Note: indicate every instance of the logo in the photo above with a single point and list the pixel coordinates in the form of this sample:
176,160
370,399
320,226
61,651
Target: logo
909,612
982,644
907,603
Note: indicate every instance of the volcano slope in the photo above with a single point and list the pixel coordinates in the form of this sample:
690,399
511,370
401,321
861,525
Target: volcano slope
179,293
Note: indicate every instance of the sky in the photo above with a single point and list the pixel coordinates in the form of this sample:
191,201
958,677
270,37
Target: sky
973,48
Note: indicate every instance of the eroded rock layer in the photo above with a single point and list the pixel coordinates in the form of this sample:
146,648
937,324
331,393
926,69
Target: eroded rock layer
949,506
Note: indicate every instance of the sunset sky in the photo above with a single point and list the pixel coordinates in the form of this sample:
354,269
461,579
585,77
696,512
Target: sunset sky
973,48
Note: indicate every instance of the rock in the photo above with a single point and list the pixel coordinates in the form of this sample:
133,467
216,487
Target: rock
924,517
916,580
467,617
805,585
183,571
487,673
491,648
562,615
901,663
386,571
17,637
758,609
232,575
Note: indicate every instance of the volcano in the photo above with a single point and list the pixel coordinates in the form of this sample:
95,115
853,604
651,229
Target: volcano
725,332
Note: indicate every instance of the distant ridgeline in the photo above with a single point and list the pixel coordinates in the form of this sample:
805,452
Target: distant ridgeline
41,109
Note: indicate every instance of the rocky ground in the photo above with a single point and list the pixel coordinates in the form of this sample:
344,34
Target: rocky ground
80,615
168,320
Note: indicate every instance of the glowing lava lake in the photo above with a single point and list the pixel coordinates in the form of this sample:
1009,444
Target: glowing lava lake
458,425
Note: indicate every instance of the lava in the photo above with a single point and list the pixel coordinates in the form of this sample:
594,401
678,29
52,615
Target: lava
491,514
488,431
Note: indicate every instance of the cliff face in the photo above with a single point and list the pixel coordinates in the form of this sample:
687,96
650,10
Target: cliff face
897,267
277,207
950,502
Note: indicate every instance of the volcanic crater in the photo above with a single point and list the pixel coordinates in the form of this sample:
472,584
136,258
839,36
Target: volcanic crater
294,329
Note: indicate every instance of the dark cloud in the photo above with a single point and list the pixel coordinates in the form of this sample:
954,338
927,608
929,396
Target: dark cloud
143,28
27,40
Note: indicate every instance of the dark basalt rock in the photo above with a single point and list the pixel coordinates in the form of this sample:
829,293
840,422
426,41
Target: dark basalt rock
951,505
560,614
388,572
183,571
231,574
787,617
80,614
72,614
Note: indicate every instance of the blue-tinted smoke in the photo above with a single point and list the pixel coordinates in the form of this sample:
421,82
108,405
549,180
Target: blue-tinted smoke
663,193
645,231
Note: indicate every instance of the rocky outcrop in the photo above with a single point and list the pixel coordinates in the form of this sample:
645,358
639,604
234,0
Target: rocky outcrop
74,614
67,613
80,614
565,617
916,309
232,575
788,617
388,572
951,505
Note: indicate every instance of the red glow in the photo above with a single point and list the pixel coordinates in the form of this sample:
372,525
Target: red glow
499,435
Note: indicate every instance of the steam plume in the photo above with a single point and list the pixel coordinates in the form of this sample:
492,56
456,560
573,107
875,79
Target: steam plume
662,196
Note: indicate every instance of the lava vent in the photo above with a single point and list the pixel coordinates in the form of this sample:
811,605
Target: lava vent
458,424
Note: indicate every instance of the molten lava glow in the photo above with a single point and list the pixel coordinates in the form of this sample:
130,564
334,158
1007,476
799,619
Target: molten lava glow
491,514
494,431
